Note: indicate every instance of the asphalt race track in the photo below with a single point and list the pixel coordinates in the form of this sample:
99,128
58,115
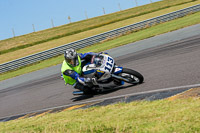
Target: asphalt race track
171,64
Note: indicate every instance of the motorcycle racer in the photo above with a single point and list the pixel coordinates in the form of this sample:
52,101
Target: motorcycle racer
72,68
93,73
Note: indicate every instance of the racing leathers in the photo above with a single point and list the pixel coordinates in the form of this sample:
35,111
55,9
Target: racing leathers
72,75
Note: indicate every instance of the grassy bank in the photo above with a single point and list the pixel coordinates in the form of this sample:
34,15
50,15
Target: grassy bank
144,116
146,33
28,40
44,45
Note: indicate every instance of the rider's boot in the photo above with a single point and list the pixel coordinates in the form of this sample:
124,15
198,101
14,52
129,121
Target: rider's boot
82,89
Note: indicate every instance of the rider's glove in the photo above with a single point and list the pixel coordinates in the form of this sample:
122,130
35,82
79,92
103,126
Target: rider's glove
94,81
91,81
87,81
84,81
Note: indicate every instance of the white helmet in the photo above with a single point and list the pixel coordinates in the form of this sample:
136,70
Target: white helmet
71,57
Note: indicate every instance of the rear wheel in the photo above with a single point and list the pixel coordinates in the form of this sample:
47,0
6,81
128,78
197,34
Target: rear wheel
133,77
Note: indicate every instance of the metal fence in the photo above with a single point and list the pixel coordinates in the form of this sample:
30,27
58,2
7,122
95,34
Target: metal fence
12,65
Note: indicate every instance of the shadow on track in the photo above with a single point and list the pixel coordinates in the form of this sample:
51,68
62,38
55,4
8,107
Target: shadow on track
84,97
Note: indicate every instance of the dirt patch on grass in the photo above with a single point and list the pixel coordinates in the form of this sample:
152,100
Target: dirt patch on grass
193,92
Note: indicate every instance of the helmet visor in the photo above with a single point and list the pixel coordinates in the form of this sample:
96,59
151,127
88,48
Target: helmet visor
72,62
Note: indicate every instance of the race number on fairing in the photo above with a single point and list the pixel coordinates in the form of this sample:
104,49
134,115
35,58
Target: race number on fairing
109,64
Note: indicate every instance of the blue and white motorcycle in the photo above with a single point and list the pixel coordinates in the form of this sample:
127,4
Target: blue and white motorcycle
107,75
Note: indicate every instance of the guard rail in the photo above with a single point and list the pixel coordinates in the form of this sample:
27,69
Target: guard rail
15,64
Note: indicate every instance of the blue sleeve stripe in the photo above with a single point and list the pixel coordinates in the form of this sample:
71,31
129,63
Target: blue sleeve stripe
74,75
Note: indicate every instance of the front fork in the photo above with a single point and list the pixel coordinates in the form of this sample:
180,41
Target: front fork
118,70
119,77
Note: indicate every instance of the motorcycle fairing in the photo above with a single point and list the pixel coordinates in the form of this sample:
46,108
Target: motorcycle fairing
100,73
118,70
89,71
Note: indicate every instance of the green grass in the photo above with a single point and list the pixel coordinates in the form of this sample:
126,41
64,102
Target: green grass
67,39
28,40
146,33
143,116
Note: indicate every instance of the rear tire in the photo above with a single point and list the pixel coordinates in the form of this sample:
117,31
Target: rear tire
134,76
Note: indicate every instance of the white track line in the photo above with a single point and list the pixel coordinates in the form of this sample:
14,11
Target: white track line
132,94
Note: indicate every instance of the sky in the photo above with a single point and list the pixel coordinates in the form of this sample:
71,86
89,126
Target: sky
19,16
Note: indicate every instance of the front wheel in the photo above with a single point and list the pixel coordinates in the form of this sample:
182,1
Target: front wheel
133,77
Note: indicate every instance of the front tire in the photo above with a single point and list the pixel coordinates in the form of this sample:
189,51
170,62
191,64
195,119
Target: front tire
134,77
